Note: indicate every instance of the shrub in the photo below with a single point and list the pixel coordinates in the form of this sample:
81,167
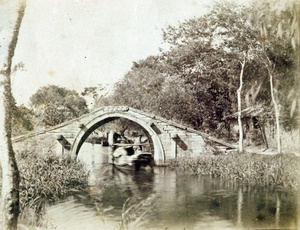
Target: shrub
47,178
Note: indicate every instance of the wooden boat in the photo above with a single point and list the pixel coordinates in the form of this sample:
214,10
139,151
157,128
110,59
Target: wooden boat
128,157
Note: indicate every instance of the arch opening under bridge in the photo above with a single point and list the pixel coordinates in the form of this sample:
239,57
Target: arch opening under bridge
156,147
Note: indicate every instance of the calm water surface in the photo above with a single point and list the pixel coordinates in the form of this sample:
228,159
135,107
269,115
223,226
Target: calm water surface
169,199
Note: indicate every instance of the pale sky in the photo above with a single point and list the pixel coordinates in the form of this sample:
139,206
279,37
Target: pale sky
77,43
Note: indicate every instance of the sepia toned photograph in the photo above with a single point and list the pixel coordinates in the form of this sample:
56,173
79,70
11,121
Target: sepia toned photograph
149,115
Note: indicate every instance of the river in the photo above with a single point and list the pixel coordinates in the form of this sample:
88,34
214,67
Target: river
169,199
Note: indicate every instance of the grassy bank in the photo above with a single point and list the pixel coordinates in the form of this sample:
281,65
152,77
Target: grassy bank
44,179
253,169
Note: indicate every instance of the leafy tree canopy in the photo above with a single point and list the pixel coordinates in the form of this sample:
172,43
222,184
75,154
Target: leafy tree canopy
57,104
194,80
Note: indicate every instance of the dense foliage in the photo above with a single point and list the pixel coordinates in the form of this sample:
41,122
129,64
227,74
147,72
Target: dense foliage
45,179
22,120
194,81
284,17
57,104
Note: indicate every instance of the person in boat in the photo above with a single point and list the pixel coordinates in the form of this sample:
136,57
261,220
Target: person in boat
112,137
138,143
121,156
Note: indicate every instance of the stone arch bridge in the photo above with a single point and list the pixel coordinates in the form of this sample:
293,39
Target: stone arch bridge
167,139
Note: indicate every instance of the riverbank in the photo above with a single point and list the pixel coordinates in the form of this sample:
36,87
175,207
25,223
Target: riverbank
281,171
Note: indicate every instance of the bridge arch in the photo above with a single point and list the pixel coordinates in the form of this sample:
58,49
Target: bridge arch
94,123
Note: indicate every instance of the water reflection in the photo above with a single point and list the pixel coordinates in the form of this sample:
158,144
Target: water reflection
171,199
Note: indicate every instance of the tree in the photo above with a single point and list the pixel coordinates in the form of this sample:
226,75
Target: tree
240,106
279,38
207,53
195,80
281,22
208,50
22,120
236,31
10,173
57,104
140,88
282,19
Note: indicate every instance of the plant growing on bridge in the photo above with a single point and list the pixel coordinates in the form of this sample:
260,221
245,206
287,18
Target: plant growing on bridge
95,96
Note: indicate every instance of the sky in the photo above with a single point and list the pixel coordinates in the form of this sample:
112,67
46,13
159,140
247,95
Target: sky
82,43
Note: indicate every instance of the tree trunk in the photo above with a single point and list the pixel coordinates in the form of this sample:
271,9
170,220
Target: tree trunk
263,132
270,66
277,113
10,173
240,106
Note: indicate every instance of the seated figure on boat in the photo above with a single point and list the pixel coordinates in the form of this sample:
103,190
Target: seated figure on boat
126,155
121,156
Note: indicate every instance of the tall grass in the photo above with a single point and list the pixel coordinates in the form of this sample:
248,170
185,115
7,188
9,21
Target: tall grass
253,169
44,179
